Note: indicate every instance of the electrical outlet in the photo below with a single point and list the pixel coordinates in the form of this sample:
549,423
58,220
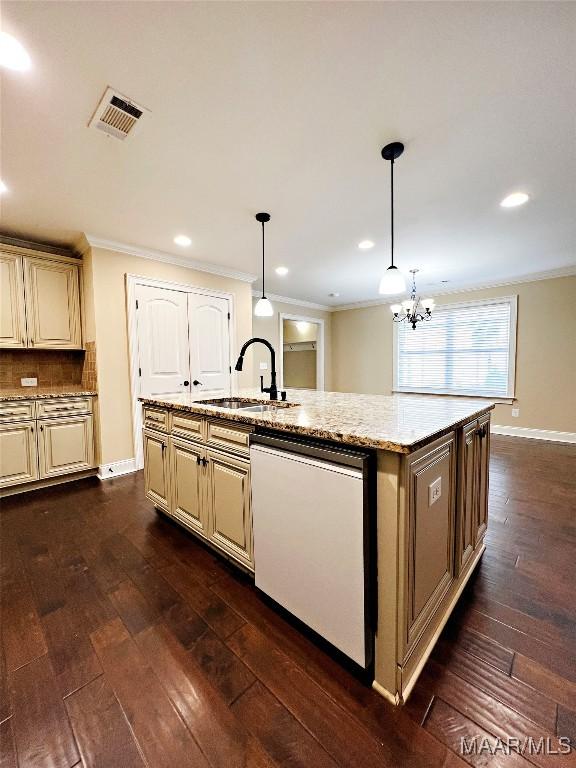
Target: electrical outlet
434,491
263,366
515,412
29,382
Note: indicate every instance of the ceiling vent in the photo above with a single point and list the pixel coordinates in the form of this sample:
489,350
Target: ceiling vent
117,115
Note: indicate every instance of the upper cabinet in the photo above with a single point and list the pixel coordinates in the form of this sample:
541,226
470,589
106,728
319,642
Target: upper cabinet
12,317
40,301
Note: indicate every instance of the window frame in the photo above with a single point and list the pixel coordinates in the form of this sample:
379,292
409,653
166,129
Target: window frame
510,395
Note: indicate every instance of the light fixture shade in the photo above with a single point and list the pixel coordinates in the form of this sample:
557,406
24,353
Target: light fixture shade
428,304
13,55
396,308
263,308
392,282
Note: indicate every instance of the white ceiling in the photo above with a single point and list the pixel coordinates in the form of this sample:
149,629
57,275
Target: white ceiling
284,107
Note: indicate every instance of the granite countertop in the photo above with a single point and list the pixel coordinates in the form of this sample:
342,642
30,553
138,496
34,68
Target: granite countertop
41,393
400,423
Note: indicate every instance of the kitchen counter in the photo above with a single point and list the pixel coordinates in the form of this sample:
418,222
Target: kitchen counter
39,393
399,423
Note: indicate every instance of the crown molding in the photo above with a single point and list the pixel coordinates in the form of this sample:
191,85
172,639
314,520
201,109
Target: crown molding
534,278
296,302
169,258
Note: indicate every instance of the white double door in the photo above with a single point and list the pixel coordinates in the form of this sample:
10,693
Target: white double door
183,342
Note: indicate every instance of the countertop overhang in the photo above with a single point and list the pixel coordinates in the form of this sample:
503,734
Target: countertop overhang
41,393
399,423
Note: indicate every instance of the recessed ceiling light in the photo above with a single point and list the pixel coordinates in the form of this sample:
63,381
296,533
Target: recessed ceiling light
334,295
302,326
183,240
365,245
282,271
3,187
514,200
13,55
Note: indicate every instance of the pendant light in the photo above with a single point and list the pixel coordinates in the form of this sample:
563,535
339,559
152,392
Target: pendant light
263,307
393,280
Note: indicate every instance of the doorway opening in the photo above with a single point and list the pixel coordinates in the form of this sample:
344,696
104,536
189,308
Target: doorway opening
302,352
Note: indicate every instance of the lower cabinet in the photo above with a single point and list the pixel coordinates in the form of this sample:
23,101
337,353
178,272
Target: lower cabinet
187,465
65,445
18,454
156,469
429,570
472,517
230,519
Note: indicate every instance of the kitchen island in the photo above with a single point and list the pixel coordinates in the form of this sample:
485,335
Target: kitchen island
429,503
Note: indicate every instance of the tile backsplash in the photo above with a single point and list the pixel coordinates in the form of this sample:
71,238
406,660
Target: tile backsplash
50,367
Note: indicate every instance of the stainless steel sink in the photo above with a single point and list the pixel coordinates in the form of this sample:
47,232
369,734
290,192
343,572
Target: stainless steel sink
255,406
231,403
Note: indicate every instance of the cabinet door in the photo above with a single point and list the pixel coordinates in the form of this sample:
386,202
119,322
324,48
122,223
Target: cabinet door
230,516
12,319
66,445
466,524
188,485
156,469
18,455
429,554
52,304
483,462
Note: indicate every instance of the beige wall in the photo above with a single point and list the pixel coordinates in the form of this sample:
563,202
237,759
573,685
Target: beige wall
107,274
545,354
300,369
269,328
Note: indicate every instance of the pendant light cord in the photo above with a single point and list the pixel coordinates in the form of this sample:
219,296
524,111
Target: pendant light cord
392,212
263,293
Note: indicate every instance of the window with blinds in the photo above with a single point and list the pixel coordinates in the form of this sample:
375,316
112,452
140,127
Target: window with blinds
465,349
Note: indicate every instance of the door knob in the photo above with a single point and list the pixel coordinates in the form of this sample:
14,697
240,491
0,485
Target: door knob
186,383
196,382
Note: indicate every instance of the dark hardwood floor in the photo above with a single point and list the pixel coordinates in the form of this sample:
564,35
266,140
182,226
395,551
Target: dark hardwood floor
126,643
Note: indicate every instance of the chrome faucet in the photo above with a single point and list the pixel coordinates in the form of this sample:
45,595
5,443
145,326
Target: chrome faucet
272,389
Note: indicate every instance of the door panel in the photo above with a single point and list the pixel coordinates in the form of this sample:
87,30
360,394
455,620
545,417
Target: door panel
209,343
467,476
156,469
52,304
66,445
18,454
188,485
229,505
12,318
430,566
162,341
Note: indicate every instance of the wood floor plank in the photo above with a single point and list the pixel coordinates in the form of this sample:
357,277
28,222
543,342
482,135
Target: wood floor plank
218,732
452,727
22,636
40,724
102,731
44,577
282,735
161,735
542,679
566,725
131,605
8,758
222,667
215,612
479,646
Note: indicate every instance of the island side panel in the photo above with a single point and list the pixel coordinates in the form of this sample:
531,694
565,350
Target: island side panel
389,497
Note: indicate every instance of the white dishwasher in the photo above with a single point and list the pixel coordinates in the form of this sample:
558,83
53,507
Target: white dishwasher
312,523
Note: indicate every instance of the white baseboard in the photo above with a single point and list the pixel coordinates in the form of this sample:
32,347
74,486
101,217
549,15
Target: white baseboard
534,434
116,468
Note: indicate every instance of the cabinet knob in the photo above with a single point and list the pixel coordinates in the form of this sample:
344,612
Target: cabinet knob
198,460
196,382
204,462
186,383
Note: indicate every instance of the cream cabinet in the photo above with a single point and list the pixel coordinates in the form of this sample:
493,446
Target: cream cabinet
40,300
229,510
472,517
18,454
12,317
156,469
65,445
187,466
198,471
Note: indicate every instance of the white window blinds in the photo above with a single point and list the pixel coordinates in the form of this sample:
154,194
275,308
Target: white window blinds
465,349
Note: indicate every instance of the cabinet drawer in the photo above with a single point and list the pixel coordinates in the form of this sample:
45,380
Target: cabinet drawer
156,418
63,407
234,437
189,426
16,410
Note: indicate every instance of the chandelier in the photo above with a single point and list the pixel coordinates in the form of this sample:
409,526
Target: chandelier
414,309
